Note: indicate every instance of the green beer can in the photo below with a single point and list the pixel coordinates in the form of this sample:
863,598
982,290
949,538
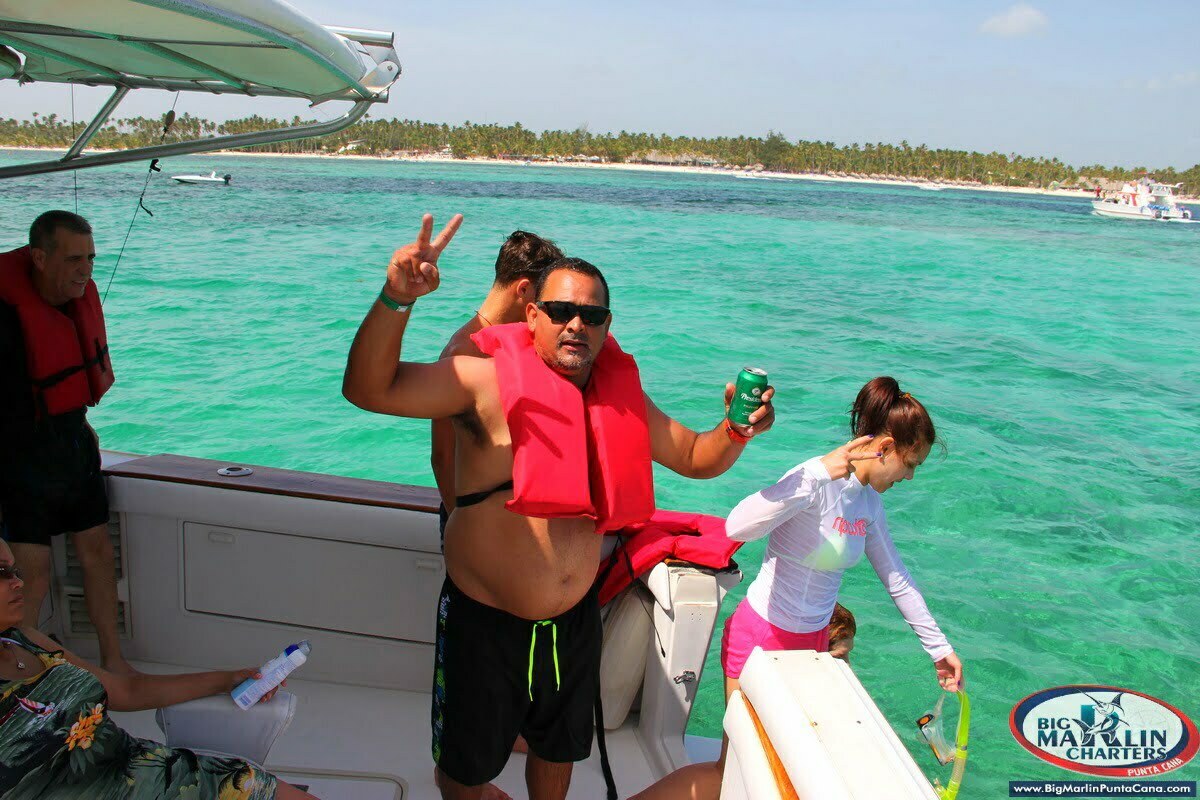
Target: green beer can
747,395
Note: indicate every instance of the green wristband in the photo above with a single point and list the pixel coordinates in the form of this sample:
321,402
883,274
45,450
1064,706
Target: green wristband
392,304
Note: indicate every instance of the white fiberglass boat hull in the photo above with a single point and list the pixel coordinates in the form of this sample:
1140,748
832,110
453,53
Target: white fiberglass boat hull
201,585
200,179
1126,211
802,726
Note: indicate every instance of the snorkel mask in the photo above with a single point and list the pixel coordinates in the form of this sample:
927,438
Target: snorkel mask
930,727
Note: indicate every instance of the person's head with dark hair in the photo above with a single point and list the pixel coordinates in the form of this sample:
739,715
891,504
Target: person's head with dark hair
524,255
43,233
842,628
570,317
62,249
902,429
577,265
521,260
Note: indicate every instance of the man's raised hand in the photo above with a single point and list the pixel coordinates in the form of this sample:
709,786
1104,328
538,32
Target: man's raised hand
413,271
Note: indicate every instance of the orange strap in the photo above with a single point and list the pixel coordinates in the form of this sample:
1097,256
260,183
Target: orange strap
782,782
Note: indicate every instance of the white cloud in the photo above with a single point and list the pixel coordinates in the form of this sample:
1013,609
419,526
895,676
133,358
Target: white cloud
1177,81
1020,20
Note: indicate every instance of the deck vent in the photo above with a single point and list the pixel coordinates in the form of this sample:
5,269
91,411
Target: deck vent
78,623
74,572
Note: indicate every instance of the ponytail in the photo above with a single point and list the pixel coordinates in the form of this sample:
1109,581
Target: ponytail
882,408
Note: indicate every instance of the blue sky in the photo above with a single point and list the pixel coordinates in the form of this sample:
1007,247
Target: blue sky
1085,81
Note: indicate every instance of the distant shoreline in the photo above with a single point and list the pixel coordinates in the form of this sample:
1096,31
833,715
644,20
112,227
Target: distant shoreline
659,168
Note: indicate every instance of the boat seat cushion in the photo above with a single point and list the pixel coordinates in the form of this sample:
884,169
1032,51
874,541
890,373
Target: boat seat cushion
214,725
628,629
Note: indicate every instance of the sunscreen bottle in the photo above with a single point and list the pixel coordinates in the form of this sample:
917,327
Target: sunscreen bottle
274,672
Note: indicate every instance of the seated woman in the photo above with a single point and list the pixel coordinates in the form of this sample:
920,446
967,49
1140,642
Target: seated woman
57,740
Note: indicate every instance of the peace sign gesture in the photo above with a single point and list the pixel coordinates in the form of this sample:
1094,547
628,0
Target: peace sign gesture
413,271
840,462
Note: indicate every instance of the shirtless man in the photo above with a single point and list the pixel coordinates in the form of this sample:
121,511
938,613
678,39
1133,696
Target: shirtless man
521,260
518,623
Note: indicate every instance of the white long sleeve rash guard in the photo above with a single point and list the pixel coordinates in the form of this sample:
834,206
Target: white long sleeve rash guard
818,529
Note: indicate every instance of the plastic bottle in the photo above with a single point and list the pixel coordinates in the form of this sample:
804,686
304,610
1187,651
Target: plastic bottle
274,672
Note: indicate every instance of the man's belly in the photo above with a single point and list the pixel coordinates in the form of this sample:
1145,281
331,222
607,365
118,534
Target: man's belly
531,568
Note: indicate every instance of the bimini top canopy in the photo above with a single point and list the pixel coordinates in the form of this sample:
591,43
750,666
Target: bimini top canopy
247,47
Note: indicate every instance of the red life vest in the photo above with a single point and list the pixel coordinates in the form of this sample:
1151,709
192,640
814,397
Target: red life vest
575,454
695,538
66,350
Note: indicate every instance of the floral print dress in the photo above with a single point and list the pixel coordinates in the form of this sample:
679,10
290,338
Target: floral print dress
57,742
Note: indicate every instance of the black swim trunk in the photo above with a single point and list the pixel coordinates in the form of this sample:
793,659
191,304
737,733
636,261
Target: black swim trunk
52,484
496,676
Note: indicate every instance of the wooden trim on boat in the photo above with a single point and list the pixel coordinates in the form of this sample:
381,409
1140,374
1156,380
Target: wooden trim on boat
782,782
284,482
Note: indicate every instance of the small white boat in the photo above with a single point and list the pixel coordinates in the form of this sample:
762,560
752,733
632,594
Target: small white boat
931,187
211,177
1145,199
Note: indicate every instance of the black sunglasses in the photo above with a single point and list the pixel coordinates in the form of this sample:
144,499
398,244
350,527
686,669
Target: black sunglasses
8,573
561,312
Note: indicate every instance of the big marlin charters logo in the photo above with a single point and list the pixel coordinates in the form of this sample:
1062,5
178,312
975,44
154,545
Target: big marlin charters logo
1104,730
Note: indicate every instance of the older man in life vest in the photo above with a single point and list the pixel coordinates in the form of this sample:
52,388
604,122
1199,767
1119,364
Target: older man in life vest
54,363
555,439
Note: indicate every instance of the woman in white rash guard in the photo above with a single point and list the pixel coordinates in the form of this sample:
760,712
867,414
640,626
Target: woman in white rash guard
821,517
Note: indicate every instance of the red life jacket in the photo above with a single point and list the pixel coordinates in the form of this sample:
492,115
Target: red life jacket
575,454
695,538
66,350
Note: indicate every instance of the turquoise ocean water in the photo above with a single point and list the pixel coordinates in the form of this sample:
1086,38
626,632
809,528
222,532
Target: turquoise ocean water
1056,540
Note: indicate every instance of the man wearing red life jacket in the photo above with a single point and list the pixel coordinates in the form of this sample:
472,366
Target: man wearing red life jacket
54,363
554,442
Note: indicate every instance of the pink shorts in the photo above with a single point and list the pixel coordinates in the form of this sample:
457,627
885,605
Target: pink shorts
745,630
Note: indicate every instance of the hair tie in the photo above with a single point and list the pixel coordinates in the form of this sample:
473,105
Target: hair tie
906,395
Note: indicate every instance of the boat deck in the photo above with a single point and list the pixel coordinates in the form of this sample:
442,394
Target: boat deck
359,743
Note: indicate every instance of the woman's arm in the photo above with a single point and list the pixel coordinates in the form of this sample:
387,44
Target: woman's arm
140,692
762,512
884,557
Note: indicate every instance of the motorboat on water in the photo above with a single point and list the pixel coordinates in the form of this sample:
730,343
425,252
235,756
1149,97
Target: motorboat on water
211,177
201,583
1144,199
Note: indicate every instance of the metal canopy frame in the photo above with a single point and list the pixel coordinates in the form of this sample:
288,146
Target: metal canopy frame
218,81
232,141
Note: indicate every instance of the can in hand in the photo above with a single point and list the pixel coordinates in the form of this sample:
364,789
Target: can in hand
747,395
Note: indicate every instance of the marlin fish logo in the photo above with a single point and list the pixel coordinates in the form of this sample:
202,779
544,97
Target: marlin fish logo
1101,719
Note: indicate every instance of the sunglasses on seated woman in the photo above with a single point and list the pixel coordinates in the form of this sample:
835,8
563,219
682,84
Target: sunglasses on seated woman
561,312
8,573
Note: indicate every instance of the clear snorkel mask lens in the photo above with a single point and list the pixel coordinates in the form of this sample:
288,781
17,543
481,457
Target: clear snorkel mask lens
930,727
